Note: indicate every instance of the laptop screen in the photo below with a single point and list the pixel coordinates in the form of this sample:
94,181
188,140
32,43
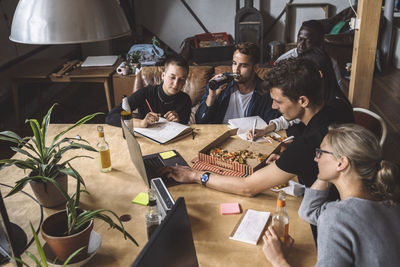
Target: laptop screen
135,152
172,243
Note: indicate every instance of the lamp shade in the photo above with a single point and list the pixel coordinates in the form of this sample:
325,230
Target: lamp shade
67,21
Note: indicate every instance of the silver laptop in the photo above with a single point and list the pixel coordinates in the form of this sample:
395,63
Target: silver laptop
148,166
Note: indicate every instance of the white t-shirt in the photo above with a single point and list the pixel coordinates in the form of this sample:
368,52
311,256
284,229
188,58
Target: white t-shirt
238,105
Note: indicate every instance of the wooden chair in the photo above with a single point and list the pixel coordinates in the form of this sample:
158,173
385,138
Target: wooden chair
372,122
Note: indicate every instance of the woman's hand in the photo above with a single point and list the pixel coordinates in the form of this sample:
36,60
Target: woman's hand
274,250
172,116
150,119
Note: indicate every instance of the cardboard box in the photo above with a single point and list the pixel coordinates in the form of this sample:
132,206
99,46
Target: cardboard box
232,143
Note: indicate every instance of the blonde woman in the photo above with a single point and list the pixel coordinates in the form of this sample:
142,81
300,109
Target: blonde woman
363,228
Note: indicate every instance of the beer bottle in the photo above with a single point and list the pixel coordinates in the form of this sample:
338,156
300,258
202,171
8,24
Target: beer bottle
280,219
104,151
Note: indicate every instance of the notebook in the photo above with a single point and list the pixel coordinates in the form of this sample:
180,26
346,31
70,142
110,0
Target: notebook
149,165
99,61
164,131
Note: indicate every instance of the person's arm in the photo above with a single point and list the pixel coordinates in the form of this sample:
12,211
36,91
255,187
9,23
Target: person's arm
265,178
282,124
314,201
207,108
114,116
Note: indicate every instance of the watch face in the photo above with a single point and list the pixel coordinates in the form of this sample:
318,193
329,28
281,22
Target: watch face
204,177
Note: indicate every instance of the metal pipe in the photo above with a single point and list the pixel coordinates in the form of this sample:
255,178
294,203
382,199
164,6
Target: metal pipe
194,16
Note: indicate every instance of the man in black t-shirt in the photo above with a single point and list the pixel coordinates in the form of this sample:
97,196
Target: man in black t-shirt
295,87
166,99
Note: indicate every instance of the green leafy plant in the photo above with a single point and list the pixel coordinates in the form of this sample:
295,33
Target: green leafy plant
41,261
44,162
78,218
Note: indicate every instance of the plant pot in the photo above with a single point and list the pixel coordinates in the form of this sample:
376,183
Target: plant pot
53,231
47,194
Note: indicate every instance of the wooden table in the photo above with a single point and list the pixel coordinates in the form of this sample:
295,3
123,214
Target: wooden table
116,189
40,70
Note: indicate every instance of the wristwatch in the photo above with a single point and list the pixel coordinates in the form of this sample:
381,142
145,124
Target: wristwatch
204,178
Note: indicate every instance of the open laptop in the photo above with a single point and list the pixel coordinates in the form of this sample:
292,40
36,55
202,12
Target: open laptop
149,165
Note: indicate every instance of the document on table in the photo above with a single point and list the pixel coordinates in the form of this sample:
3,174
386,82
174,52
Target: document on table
99,61
246,124
250,226
164,131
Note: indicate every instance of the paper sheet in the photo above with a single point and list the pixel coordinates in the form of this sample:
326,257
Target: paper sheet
99,61
246,124
251,226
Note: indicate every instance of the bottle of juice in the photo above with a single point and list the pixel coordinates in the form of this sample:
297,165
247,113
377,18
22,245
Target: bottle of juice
104,151
280,219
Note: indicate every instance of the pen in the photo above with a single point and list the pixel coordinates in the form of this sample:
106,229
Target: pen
254,127
148,104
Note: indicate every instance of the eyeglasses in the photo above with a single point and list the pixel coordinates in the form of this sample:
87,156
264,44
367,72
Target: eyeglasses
318,152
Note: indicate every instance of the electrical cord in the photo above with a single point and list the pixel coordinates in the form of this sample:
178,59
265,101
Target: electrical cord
41,215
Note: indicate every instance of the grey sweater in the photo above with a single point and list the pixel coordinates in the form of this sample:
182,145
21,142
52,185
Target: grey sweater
353,232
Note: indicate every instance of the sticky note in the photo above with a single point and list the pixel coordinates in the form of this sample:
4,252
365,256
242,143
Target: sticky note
141,199
167,154
230,208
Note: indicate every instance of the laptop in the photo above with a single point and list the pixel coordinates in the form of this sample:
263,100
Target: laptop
149,165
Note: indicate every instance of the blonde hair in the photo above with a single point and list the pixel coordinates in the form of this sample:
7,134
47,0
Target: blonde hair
361,147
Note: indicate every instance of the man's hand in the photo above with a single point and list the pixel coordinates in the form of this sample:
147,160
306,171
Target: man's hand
212,94
150,118
272,158
182,174
172,116
274,250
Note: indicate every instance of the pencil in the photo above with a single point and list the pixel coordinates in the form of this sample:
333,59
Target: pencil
254,127
148,104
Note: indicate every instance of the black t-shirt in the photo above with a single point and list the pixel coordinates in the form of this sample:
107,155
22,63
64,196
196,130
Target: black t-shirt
298,158
159,102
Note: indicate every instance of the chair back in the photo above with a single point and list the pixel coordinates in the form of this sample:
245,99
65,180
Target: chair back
371,121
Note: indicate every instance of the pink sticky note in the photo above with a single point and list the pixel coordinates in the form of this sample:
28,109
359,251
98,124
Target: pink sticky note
230,208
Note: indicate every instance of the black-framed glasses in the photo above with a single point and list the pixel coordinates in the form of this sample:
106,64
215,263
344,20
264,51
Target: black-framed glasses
318,152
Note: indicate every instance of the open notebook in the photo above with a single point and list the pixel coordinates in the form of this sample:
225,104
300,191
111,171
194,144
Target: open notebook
164,131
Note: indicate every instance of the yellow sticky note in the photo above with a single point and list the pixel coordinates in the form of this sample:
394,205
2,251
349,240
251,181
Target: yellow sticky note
141,199
167,154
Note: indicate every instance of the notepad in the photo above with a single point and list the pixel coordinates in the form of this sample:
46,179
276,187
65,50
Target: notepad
250,226
141,199
167,154
164,131
230,208
99,61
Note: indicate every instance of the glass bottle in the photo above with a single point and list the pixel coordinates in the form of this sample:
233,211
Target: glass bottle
280,218
153,217
104,151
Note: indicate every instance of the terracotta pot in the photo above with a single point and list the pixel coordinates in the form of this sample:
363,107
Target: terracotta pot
53,231
47,194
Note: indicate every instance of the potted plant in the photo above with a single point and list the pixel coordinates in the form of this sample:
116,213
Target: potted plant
68,230
41,261
45,164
